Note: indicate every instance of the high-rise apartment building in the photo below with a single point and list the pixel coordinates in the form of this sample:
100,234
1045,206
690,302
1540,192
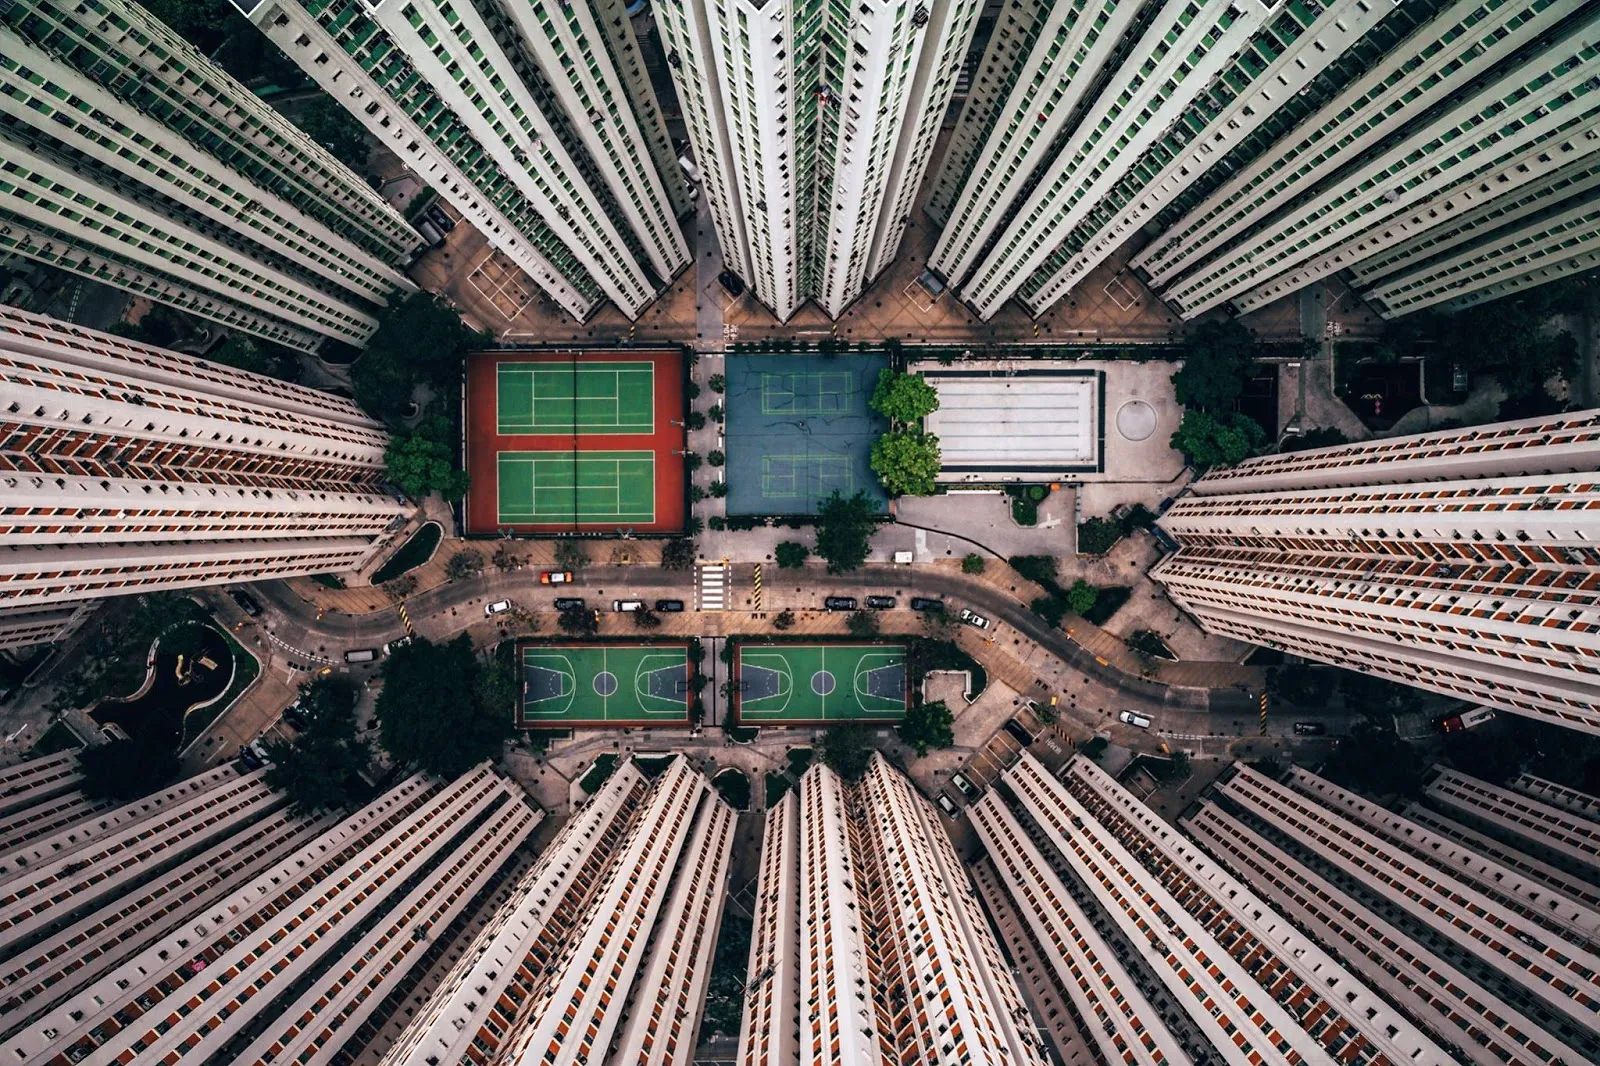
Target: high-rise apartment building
126,156
870,946
1296,923
1267,146
210,922
126,468
535,121
603,950
1465,561
813,124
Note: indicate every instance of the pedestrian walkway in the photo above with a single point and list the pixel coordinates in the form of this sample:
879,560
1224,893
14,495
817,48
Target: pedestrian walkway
711,590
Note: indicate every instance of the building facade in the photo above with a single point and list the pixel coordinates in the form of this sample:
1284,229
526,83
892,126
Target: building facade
813,125
535,122
869,943
1462,561
125,468
211,922
1265,147
131,159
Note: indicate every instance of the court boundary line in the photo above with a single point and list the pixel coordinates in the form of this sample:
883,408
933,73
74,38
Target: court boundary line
577,457
532,372
679,652
871,716
571,675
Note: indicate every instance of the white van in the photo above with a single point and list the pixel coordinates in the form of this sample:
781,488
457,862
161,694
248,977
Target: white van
360,655
627,605
1130,718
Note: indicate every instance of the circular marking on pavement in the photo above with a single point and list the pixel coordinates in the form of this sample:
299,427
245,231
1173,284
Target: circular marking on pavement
822,682
605,683
1136,420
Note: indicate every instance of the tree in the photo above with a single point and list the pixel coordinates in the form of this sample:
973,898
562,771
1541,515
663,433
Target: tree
125,770
696,420
571,555
791,555
904,399
467,562
719,489
579,621
401,587
679,553
907,462
1219,441
1081,597
333,127
420,465
419,339
1324,437
972,563
928,725
1216,363
845,525
784,619
505,560
247,353
1096,536
862,624
423,719
646,619
200,22
321,768
847,750
716,382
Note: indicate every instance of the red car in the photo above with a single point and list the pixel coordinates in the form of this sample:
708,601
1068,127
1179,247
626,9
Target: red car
556,577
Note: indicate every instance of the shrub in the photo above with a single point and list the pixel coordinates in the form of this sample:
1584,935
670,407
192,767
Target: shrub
1097,536
862,624
717,522
719,489
717,382
1037,493
783,620
696,420
716,458
715,412
691,462
1081,597
791,555
972,563
1024,511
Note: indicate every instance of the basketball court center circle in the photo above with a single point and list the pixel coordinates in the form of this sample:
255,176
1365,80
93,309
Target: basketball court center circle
822,682
605,683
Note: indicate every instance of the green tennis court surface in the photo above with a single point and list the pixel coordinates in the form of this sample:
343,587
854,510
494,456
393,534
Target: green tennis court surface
648,684
795,683
575,398
547,487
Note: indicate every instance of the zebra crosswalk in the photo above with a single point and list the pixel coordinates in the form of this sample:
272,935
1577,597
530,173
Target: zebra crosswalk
711,590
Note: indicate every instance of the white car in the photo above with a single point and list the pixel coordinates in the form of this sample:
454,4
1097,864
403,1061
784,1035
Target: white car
973,618
1134,719
497,607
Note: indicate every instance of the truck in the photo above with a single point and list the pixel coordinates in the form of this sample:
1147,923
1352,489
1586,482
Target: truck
1460,723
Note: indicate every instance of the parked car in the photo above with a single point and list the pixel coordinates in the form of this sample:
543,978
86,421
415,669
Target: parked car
395,645
1309,729
840,603
1131,718
960,781
247,603
923,603
973,618
669,606
882,603
569,603
360,655
556,577
497,607
946,804
627,606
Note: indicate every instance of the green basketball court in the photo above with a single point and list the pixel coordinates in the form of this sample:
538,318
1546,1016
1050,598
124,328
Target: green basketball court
575,398
614,488
802,684
605,684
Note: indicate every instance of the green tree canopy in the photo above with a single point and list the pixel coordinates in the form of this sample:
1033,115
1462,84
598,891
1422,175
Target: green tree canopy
578,622
907,462
441,709
247,353
125,770
420,464
321,768
928,725
791,555
847,750
331,126
1216,363
419,339
904,398
1224,440
1081,597
845,525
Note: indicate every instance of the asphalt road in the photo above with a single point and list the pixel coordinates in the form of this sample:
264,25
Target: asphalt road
295,621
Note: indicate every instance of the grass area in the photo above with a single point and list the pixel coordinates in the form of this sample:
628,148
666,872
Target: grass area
777,785
1107,603
246,668
652,766
734,787
329,581
59,737
800,760
742,734
412,554
604,766
724,1009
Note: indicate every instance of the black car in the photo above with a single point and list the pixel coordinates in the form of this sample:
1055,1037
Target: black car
1015,728
569,603
669,606
247,603
1309,729
881,603
840,603
922,603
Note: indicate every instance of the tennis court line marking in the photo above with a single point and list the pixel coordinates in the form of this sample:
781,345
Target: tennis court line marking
572,489
532,372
